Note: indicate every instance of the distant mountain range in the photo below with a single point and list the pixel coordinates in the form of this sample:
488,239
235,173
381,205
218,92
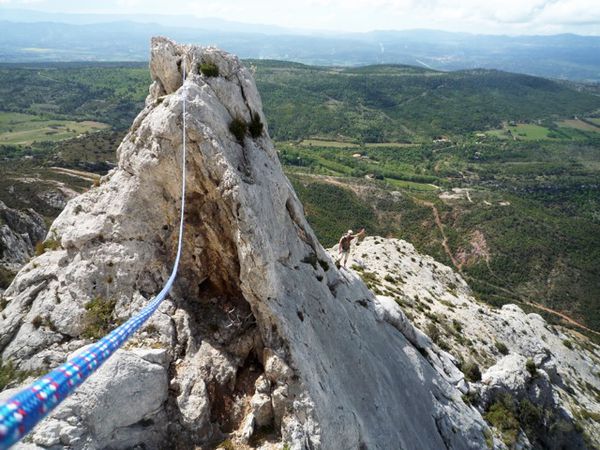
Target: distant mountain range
31,36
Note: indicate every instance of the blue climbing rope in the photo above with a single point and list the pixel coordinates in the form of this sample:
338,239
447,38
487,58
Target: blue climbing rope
21,412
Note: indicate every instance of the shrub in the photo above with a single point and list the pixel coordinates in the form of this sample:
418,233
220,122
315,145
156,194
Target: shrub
502,348
311,259
324,265
471,371
567,343
37,322
471,398
256,126
433,332
389,279
457,325
6,277
49,324
369,278
208,69
531,367
151,329
48,244
238,128
502,415
531,418
98,317
8,374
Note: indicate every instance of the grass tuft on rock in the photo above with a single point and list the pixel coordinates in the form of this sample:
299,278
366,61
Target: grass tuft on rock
48,244
472,371
502,415
98,317
238,128
256,126
503,349
208,69
531,367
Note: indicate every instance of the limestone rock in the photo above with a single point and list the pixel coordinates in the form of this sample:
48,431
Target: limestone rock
434,299
19,232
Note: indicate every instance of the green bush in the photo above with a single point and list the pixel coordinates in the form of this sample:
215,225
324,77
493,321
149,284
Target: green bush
208,69
502,348
472,371
369,278
6,277
98,317
9,374
48,244
37,322
457,325
502,415
531,367
389,278
433,332
531,418
227,445
256,126
567,343
238,128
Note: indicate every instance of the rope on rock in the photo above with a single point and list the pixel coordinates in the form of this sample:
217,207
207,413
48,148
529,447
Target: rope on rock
21,412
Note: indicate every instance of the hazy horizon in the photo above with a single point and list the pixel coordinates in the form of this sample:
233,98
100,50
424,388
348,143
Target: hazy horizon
533,17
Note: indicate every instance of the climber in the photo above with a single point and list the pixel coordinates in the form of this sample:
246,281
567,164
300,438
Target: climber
344,245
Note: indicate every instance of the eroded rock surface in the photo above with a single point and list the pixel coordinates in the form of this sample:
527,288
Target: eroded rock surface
19,232
261,329
549,374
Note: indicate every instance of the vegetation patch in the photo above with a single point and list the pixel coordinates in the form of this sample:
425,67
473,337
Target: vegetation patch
256,126
98,317
502,415
6,277
44,246
9,374
567,343
238,128
502,348
471,371
209,69
531,367
370,278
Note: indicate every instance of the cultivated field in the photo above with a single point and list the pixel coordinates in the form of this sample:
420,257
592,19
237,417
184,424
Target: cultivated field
25,129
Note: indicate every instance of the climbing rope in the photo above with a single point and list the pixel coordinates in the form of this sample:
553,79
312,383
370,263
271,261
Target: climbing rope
21,412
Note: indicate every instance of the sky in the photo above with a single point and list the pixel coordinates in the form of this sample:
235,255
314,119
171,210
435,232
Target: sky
477,16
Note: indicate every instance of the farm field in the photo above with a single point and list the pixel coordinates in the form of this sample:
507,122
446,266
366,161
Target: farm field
561,130
579,124
25,129
342,144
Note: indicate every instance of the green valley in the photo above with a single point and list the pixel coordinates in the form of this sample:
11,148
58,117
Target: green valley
496,174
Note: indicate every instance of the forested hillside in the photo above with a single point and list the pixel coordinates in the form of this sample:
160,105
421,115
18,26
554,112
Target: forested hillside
493,173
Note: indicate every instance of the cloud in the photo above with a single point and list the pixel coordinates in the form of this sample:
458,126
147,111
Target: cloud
491,16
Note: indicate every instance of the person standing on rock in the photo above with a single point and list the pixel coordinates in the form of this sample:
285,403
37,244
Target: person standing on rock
344,245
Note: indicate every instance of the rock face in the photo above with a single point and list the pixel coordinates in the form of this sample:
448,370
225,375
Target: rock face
19,232
263,339
549,373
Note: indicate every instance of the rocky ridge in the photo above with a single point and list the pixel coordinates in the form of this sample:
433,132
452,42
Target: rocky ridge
263,341
551,374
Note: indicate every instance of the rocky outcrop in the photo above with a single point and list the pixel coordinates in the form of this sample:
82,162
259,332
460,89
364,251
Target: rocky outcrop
19,232
544,376
263,340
